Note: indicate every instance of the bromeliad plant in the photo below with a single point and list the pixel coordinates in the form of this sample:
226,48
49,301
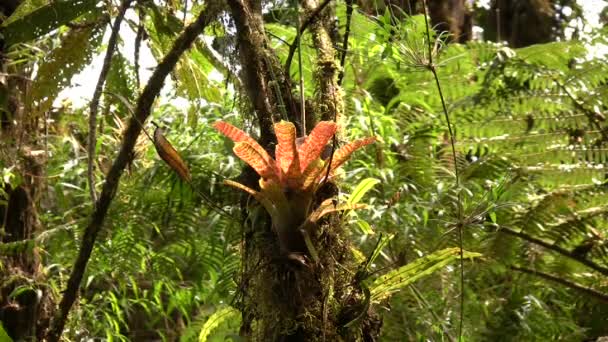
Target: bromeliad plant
289,182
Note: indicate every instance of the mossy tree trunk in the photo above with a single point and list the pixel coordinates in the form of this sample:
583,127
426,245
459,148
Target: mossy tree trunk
282,298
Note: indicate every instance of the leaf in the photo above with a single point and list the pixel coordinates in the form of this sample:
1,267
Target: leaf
362,188
341,155
167,153
393,281
286,153
26,7
329,207
217,318
315,142
239,136
3,335
61,64
30,21
383,240
266,202
312,173
120,82
365,227
251,156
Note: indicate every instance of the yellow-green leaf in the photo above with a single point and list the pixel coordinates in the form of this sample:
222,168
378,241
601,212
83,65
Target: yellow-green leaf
393,281
362,188
217,318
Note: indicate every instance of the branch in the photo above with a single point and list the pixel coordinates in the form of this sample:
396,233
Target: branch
585,289
305,24
141,32
601,269
107,61
125,155
349,15
258,65
217,61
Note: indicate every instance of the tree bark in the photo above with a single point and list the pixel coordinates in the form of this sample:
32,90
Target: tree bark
521,22
282,299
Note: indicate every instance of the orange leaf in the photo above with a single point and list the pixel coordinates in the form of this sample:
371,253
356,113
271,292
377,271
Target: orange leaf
266,203
312,173
315,142
328,206
252,157
341,155
167,153
239,136
242,187
286,152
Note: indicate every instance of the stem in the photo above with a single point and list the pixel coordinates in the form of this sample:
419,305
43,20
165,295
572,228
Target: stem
557,249
138,39
585,289
94,106
349,15
142,111
431,66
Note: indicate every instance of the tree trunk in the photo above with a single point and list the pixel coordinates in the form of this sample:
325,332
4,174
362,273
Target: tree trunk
284,297
520,22
452,16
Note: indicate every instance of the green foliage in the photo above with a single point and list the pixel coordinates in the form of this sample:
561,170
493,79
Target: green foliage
34,18
217,318
3,335
395,280
70,57
531,145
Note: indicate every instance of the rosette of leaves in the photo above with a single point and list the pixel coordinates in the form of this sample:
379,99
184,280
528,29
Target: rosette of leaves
289,182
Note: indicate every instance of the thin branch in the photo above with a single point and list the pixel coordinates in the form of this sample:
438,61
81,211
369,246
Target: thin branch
217,61
585,289
349,15
432,67
125,155
601,269
594,118
258,63
301,75
138,39
294,45
94,105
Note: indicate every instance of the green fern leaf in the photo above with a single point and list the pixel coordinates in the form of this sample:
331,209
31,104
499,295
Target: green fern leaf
215,320
387,284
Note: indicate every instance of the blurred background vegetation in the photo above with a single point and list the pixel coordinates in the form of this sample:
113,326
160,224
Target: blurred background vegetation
526,87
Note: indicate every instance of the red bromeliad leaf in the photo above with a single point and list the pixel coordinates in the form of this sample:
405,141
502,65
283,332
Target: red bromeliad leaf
315,142
341,155
286,153
239,136
253,157
312,173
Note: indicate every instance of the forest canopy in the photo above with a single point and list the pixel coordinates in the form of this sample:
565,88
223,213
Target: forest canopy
315,170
